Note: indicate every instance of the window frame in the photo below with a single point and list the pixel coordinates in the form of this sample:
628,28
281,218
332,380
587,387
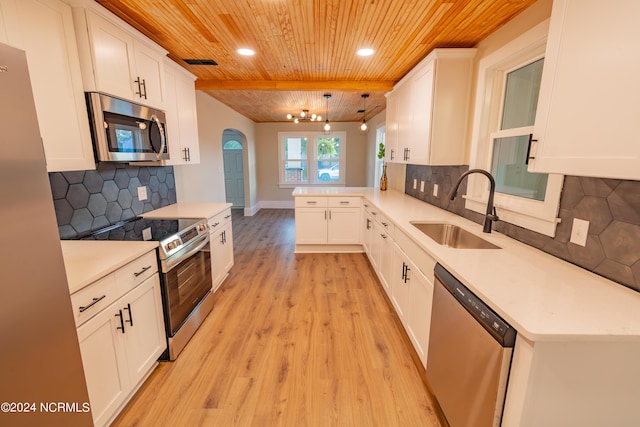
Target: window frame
312,159
539,216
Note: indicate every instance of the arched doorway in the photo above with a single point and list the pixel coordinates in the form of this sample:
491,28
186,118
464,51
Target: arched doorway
232,152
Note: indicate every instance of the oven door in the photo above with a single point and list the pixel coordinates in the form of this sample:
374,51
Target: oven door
186,281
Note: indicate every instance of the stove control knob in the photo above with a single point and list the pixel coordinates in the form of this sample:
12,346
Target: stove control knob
203,227
172,245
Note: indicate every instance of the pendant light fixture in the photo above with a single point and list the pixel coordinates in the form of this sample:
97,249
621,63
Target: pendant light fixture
364,128
327,126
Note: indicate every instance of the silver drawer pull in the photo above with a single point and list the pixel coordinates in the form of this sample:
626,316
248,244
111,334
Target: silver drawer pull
142,271
91,304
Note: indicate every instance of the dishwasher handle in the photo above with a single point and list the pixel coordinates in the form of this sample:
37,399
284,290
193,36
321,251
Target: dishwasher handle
499,329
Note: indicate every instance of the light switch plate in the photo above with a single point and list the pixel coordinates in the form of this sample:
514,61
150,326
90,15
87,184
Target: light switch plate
415,183
422,186
579,232
142,193
435,190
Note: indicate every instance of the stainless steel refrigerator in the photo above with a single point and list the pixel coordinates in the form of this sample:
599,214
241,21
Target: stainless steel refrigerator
41,375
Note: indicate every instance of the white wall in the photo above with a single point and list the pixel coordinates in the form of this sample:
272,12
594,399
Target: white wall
205,182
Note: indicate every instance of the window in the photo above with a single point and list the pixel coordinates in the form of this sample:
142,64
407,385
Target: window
506,103
311,158
232,144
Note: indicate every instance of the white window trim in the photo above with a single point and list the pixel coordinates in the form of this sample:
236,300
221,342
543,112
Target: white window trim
312,164
539,216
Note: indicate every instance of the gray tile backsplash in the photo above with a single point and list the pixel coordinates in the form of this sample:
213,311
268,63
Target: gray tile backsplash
611,206
89,200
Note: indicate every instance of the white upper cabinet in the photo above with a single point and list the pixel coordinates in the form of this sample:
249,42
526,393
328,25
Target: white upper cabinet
182,116
118,60
427,111
44,30
588,110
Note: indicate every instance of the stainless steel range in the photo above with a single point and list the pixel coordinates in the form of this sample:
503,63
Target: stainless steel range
184,260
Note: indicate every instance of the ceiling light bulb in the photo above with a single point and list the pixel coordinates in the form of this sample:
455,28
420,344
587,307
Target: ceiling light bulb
365,51
246,52
289,117
296,120
327,126
318,118
303,113
313,116
363,126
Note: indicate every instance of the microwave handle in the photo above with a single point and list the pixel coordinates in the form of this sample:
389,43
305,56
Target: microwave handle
163,139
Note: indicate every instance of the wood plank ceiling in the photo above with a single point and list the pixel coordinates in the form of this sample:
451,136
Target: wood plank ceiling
306,48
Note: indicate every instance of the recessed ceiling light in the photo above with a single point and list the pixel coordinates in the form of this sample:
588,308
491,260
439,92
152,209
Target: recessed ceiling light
367,51
246,52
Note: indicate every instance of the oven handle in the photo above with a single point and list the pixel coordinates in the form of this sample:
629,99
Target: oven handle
170,264
163,138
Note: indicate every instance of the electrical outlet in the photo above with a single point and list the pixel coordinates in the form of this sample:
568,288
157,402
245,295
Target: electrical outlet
435,190
415,183
422,186
579,232
142,193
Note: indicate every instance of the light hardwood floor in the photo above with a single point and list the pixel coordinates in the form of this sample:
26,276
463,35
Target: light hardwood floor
293,340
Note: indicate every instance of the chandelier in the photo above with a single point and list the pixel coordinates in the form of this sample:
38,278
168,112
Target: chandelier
304,116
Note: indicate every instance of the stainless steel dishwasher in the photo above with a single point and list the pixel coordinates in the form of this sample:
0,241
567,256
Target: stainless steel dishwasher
470,349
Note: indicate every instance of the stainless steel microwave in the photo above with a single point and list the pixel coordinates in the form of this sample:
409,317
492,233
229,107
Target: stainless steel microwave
126,132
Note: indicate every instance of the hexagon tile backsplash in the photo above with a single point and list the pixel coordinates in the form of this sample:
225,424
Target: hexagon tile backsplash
93,199
611,206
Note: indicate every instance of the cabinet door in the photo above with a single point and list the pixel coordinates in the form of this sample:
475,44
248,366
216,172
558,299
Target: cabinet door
113,58
149,70
182,126
104,363
221,254
44,30
400,284
144,337
343,226
418,310
391,131
386,260
586,122
311,225
420,102
404,117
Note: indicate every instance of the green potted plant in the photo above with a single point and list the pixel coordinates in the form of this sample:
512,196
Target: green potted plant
383,178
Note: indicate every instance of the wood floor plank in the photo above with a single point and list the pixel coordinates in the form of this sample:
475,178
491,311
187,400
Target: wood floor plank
293,340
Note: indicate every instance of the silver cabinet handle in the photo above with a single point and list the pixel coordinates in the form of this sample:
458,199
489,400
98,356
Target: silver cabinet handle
121,321
91,304
142,271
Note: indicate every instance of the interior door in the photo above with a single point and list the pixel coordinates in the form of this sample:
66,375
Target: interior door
234,177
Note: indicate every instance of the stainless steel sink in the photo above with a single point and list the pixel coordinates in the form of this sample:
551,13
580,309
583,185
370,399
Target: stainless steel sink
452,236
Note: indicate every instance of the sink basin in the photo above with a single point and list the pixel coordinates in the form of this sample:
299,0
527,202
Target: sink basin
452,236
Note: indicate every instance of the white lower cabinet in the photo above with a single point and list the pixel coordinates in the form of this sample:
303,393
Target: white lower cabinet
221,232
121,342
406,274
327,221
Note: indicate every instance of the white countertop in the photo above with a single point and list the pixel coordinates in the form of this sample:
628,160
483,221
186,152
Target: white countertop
89,260
543,297
188,210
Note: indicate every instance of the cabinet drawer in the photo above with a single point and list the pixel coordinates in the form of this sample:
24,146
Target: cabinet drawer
218,221
311,202
136,272
386,224
343,202
91,300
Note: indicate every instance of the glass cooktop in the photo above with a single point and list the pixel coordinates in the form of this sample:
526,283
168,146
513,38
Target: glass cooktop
137,229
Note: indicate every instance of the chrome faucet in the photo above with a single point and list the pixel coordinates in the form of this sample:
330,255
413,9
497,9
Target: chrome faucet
490,215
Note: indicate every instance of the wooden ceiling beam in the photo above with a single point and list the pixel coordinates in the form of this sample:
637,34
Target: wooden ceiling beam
377,86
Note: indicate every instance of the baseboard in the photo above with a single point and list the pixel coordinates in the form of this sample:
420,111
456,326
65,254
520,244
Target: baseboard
277,204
